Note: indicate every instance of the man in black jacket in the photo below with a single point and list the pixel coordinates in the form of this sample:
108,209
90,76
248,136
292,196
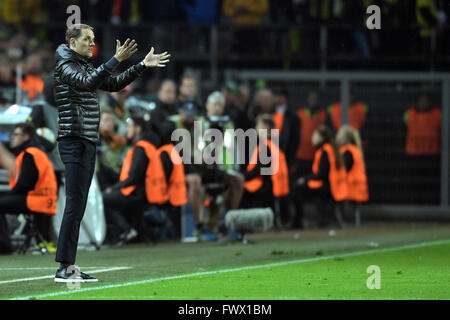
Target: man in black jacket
76,84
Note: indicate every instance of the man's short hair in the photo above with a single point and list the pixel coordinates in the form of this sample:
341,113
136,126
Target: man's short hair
188,75
74,31
216,96
27,128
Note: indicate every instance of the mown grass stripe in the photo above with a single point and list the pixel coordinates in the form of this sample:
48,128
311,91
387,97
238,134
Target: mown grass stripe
245,268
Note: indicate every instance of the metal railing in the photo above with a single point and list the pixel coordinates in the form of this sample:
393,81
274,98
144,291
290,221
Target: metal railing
347,79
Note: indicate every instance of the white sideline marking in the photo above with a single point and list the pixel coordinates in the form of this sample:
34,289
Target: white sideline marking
276,264
52,276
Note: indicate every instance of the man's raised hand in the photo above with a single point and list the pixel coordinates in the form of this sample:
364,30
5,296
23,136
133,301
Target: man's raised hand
156,60
123,52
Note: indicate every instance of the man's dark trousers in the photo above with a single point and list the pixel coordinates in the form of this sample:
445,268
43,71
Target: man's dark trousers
78,156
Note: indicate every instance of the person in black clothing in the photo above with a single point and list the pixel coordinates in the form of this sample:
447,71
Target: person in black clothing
15,201
76,85
321,196
165,102
289,133
124,212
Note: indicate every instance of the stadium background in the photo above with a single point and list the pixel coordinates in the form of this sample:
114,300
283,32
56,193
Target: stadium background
297,44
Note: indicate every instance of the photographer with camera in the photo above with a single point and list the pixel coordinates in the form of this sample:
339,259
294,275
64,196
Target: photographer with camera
213,181
223,183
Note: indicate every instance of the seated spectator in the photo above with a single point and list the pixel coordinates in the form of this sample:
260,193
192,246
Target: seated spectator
34,187
139,185
327,181
241,105
265,181
188,90
165,102
109,154
349,142
115,102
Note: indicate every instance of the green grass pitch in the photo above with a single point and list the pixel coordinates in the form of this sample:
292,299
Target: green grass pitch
413,262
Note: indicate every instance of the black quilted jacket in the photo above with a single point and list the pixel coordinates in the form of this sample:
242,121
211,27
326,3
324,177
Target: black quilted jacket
76,84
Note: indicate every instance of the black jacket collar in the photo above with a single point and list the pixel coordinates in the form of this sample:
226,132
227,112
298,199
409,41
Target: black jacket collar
64,53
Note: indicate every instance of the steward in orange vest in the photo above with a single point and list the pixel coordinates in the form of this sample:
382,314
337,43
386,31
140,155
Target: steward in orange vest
356,115
327,179
423,132
262,189
142,182
43,196
174,174
34,178
310,120
351,151
327,171
34,186
358,190
175,179
279,177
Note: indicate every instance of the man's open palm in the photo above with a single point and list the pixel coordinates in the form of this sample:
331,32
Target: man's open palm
156,60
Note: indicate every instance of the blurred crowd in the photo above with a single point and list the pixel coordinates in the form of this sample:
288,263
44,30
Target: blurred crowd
319,159
417,27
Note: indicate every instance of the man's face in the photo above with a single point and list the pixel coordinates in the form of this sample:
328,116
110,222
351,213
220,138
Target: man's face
266,101
188,87
243,96
18,137
313,99
84,45
131,130
166,93
424,102
107,122
215,108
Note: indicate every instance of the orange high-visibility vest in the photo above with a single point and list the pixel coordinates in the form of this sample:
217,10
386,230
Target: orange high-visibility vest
33,85
155,181
278,119
43,198
336,177
309,123
177,181
423,137
356,115
358,189
280,173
